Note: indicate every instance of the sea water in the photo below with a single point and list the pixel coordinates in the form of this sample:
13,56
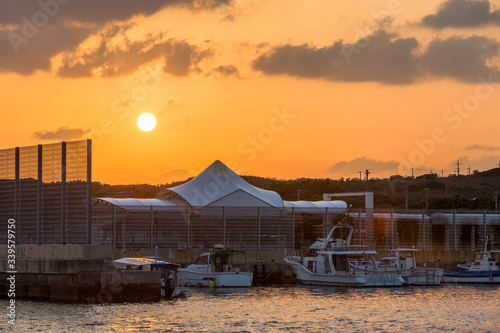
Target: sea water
458,308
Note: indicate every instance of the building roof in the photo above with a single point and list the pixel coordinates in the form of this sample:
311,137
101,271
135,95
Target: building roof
132,204
217,186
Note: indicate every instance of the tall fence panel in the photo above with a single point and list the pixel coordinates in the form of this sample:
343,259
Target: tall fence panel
46,190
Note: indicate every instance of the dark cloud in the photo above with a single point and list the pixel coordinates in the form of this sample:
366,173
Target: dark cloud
226,70
362,164
39,30
26,55
385,58
463,58
92,11
462,14
61,133
379,57
483,148
182,58
110,60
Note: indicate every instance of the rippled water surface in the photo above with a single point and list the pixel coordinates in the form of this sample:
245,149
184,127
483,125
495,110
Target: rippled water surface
456,308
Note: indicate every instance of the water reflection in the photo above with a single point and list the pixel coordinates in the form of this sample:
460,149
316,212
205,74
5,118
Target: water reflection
277,309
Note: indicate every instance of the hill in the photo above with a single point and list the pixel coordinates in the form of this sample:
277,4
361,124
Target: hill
476,191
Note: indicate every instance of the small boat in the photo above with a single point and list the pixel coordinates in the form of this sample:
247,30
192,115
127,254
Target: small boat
214,269
402,260
484,269
327,263
169,281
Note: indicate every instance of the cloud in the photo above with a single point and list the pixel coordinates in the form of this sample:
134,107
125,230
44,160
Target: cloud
385,58
111,59
462,14
61,133
175,175
482,148
226,70
379,57
94,11
481,163
173,100
32,32
25,56
362,164
463,58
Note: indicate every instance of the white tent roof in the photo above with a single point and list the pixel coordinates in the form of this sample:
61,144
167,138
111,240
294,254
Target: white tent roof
132,204
316,204
218,185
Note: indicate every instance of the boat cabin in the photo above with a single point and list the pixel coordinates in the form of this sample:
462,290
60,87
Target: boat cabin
400,258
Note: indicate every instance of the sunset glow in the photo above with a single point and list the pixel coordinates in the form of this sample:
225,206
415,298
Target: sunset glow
283,89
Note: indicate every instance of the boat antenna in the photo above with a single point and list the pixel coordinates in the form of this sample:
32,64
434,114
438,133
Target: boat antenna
486,244
156,254
345,223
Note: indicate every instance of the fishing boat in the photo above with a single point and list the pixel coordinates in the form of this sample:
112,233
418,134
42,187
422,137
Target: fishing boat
484,269
402,261
169,281
327,263
215,269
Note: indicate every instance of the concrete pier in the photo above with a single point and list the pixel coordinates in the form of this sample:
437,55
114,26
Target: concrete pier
75,273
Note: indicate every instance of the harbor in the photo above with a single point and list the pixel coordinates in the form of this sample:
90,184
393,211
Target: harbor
280,309
85,273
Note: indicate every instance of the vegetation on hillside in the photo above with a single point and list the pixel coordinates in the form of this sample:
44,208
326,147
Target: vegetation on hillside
475,191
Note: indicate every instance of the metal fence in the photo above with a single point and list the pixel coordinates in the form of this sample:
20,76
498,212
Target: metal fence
271,229
46,190
250,228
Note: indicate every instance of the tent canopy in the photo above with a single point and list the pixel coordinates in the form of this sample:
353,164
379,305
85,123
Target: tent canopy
218,186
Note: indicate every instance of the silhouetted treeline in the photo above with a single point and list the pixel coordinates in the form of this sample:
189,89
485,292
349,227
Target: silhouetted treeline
475,191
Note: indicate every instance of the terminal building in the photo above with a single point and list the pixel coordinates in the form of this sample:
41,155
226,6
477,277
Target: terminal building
46,189
216,207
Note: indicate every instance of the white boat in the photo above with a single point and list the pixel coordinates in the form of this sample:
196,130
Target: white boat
169,281
402,261
484,269
214,269
327,263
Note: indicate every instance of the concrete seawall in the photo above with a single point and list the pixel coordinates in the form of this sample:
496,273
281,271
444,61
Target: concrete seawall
84,273
74,273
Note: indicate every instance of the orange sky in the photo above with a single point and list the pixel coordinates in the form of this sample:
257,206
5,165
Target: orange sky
284,89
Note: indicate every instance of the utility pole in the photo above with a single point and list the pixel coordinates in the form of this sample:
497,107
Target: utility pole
406,195
442,173
469,169
360,176
367,173
496,200
426,205
458,168
411,173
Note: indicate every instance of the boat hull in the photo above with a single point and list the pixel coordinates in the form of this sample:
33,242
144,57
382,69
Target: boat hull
344,279
221,279
420,276
492,277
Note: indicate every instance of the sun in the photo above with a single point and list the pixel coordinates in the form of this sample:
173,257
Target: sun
146,122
